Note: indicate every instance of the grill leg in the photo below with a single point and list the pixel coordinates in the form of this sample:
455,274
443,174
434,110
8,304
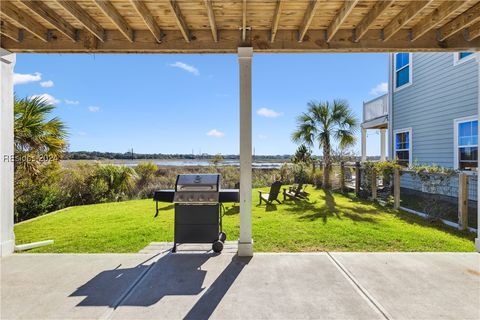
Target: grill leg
174,249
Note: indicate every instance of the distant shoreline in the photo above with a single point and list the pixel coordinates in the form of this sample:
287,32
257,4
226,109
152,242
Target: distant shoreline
256,164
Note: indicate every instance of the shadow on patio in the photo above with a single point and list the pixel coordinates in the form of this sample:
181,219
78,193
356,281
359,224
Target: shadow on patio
171,275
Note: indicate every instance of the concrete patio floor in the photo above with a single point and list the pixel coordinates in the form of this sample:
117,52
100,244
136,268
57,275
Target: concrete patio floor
269,285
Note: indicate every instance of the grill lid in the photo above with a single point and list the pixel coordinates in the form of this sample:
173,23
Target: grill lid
198,182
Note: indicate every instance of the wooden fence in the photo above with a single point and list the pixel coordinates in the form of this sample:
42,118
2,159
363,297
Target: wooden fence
349,177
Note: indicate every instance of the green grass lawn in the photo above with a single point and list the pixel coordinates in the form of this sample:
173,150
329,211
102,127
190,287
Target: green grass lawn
327,222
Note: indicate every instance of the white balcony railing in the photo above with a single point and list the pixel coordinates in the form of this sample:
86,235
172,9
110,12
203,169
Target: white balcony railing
375,108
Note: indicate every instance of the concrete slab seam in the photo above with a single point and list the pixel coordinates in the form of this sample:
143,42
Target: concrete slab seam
360,289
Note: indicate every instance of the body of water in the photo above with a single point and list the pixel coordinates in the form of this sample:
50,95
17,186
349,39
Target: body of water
186,163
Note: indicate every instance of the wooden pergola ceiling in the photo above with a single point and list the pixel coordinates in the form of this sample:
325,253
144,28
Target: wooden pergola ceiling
200,26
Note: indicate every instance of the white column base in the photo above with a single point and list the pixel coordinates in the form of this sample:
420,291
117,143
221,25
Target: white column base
245,249
7,248
477,244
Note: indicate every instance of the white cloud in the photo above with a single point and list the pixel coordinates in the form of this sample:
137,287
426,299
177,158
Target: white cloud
93,109
82,133
47,97
23,78
269,113
215,133
381,88
47,84
74,102
262,136
186,67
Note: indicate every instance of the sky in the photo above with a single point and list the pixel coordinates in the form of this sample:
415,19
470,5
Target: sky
183,103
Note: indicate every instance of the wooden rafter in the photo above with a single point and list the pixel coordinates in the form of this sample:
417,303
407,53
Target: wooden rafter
49,15
177,14
437,16
83,18
473,31
464,20
148,18
370,18
307,19
404,17
23,19
109,10
244,20
10,31
340,18
211,19
276,19
286,42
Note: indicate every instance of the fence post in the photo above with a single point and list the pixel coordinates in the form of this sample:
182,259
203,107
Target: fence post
396,188
374,185
342,176
462,201
358,176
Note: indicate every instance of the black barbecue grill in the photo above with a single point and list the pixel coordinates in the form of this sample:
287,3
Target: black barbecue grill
198,209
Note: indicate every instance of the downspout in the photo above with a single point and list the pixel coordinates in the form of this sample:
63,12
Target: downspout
390,106
477,240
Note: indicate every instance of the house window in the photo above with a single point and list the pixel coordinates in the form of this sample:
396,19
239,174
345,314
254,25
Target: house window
466,148
403,69
403,147
461,57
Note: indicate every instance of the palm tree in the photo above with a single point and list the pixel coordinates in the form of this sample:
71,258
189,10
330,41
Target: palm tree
36,136
323,123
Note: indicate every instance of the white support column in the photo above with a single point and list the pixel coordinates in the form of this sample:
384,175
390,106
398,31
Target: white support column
364,144
245,243
477,240
382,144
7,237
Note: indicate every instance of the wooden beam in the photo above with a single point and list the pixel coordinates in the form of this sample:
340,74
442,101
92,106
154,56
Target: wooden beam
112,13
473,32
340,18
437,16
177,14
148,19
307,19
285,42
10,31
83,18
276,19
371,17
21,18
244,20
404,17
211,19
464,20
49,15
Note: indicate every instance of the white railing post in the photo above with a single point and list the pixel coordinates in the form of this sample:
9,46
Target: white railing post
245,243
7,237
364,144
383,146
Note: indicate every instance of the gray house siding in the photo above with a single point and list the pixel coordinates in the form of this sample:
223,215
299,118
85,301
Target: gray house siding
440,92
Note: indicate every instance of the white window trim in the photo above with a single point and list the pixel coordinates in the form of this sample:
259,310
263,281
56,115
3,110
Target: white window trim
410,144
457,60
410,74
456,122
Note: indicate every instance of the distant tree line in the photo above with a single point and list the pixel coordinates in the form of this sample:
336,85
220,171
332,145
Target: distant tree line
97,155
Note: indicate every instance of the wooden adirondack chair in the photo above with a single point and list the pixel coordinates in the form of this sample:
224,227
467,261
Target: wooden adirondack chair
272,195
297,191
